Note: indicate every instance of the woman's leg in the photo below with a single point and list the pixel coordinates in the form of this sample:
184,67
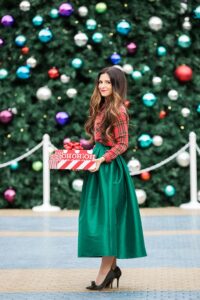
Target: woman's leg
106,263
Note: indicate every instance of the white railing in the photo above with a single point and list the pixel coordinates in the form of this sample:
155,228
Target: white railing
46,143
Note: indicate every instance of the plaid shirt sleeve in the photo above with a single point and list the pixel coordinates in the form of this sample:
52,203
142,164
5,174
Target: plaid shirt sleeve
120,136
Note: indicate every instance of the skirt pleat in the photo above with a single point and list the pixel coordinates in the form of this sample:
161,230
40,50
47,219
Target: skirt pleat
109,217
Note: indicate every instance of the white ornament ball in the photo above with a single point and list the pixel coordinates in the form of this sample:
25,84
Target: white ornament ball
157,140
186,24
71,93
25,5
173,95
183,8
32,62
14,110
134,166
80,39
43,93
183,159
156,80
185,112
141,196
83,11
155,23
64,78
127,68
77,185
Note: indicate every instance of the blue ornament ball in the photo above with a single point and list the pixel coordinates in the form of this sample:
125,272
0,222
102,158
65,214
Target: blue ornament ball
37,20
184,41
198,108
144,140
161,51
197,12
23,72
149,99
3,74
54,13
20,40
123,27
115,58
14,166
45,35
91,24
62,118
77,63
97,37
169,190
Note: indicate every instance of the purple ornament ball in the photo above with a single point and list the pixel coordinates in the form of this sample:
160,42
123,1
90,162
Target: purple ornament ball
9,195
86,144
1,42
7,20
65,9
131,47
6,116
62,118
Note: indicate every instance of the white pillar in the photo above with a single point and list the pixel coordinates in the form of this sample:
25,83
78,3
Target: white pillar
46,206
193,204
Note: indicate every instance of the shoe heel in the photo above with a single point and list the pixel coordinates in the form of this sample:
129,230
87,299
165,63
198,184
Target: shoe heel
117,282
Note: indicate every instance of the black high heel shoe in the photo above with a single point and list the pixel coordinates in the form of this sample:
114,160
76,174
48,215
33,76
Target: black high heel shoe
118,273
107,282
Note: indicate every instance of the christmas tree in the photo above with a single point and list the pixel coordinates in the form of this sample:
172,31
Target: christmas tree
51,53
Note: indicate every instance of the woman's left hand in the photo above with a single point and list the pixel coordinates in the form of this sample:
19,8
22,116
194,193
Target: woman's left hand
98,162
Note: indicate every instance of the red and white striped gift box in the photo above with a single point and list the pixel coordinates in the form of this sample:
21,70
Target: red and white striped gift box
72,160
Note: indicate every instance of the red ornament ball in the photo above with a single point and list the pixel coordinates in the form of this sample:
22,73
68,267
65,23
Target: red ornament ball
145,176
162,114
183,73
53,73
25,50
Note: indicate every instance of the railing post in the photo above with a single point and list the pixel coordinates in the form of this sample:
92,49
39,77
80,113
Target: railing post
193,204
46,206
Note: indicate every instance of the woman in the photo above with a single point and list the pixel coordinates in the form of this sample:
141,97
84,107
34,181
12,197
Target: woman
109,219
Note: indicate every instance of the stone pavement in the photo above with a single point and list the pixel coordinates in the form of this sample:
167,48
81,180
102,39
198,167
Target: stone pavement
38,258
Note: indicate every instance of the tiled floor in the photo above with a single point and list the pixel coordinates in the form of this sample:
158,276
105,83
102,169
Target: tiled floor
38,258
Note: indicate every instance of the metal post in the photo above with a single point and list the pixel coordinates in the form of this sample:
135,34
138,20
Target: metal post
193,204
46,206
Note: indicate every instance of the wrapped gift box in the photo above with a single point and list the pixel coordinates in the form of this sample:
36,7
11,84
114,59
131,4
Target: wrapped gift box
72,159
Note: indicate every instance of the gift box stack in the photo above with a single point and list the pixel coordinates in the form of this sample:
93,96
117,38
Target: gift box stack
73,157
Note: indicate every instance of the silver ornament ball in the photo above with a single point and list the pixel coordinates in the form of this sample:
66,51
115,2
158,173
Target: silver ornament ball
185,112
173,95
155,23
71,93
127,68
44,93
80,39
183,159
32,62
141,196
134,166
64,78
25,5
77,185
156,80
157,140
83,11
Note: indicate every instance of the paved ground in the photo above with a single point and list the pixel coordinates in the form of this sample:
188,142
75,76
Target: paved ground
38,258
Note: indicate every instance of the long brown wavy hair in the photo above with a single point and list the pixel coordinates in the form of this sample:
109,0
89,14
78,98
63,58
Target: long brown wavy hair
113,103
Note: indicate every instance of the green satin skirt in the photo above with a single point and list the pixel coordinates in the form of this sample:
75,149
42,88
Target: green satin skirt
109,217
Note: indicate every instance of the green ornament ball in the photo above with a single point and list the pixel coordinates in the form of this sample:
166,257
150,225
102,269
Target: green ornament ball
184,41
145,140
54,13
101,7
77,63
169,190
3,74
14,166
91,24
198,108
136,75
145,69
37,166
97,37
161,51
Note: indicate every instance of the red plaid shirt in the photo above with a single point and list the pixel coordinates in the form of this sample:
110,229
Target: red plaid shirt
119,141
